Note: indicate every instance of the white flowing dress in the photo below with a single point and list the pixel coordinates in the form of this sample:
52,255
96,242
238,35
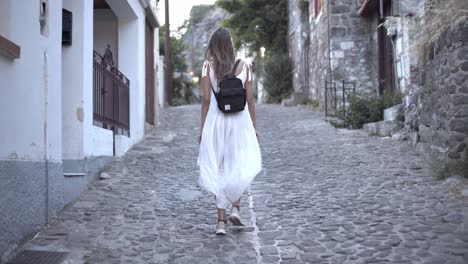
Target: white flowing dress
230,155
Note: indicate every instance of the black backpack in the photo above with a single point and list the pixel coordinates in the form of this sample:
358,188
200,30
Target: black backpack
232,94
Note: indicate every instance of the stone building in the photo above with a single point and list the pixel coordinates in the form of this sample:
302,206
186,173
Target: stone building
416,48
329,42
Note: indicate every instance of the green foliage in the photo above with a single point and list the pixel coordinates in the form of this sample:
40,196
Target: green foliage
177,52
258,23
367,109
310,102
337,123
389,99
277,77
263,23
182,88
304,7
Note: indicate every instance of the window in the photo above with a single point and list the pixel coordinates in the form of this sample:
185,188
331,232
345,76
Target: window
67,25
44,17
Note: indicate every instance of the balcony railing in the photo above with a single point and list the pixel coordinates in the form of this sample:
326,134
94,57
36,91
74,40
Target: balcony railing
111,95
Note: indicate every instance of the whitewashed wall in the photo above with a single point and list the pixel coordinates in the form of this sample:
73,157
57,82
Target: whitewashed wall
77,81
161,82
5,16
131,39
106,32
30,105
157,84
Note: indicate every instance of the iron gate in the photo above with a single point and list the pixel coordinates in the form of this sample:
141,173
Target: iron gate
337,99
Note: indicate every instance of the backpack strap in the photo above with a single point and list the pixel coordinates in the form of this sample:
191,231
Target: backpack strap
215,94
235,67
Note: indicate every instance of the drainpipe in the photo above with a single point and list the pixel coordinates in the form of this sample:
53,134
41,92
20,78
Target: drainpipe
329,42
381,9
46,158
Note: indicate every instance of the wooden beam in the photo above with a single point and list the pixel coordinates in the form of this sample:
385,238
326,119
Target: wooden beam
9,49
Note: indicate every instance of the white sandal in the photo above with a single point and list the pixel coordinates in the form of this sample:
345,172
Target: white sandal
221,228
234,217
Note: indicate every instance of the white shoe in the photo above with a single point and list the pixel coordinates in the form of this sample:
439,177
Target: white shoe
234,217
221,228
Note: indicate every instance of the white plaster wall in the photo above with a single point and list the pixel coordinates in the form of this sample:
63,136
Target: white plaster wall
161,81
156,76
30,101
77,82
105,32
122,144
132,63
5,17
102,142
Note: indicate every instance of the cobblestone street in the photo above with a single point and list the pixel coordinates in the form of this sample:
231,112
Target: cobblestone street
325,196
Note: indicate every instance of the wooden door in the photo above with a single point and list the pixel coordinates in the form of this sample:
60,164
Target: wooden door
150,93
386,55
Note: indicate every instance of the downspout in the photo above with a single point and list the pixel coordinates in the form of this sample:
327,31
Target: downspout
330,74
381,9
329,42
46,159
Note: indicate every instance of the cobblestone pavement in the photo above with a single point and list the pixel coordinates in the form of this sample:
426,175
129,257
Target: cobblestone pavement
325,196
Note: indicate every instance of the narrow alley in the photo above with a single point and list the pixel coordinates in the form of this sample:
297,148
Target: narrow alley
324,196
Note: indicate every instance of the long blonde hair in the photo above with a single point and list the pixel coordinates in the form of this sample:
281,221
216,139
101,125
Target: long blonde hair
221,52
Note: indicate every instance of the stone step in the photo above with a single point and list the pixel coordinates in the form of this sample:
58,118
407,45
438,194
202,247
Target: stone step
392,113
383,128
74,174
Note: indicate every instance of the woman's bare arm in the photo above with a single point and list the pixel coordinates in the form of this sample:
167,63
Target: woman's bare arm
250,97
206,90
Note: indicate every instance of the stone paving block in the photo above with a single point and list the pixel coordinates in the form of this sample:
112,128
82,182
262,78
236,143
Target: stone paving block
325,196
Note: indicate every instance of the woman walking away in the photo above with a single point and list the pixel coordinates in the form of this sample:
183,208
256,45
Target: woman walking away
230,156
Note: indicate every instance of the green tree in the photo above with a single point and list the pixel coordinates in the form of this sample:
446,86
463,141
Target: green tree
182,88
263,23
177,52
258,23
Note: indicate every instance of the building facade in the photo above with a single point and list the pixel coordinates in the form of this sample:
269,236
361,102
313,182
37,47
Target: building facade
78,87
415,48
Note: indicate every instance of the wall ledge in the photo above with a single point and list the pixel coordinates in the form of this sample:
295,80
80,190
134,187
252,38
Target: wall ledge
9,48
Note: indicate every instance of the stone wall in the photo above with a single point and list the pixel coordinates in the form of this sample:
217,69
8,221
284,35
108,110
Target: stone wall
341,48
436,94
351,46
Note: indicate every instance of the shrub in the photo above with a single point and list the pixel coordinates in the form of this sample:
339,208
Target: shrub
389,99
277,77
367,109
310,102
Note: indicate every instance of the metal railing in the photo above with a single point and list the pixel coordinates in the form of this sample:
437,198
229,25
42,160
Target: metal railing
111,95
338,100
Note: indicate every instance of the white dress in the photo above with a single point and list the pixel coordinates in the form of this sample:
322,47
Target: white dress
229,156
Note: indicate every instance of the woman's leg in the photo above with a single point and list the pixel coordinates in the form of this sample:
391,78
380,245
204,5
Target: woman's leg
234,217
221,214
237,204
221,226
